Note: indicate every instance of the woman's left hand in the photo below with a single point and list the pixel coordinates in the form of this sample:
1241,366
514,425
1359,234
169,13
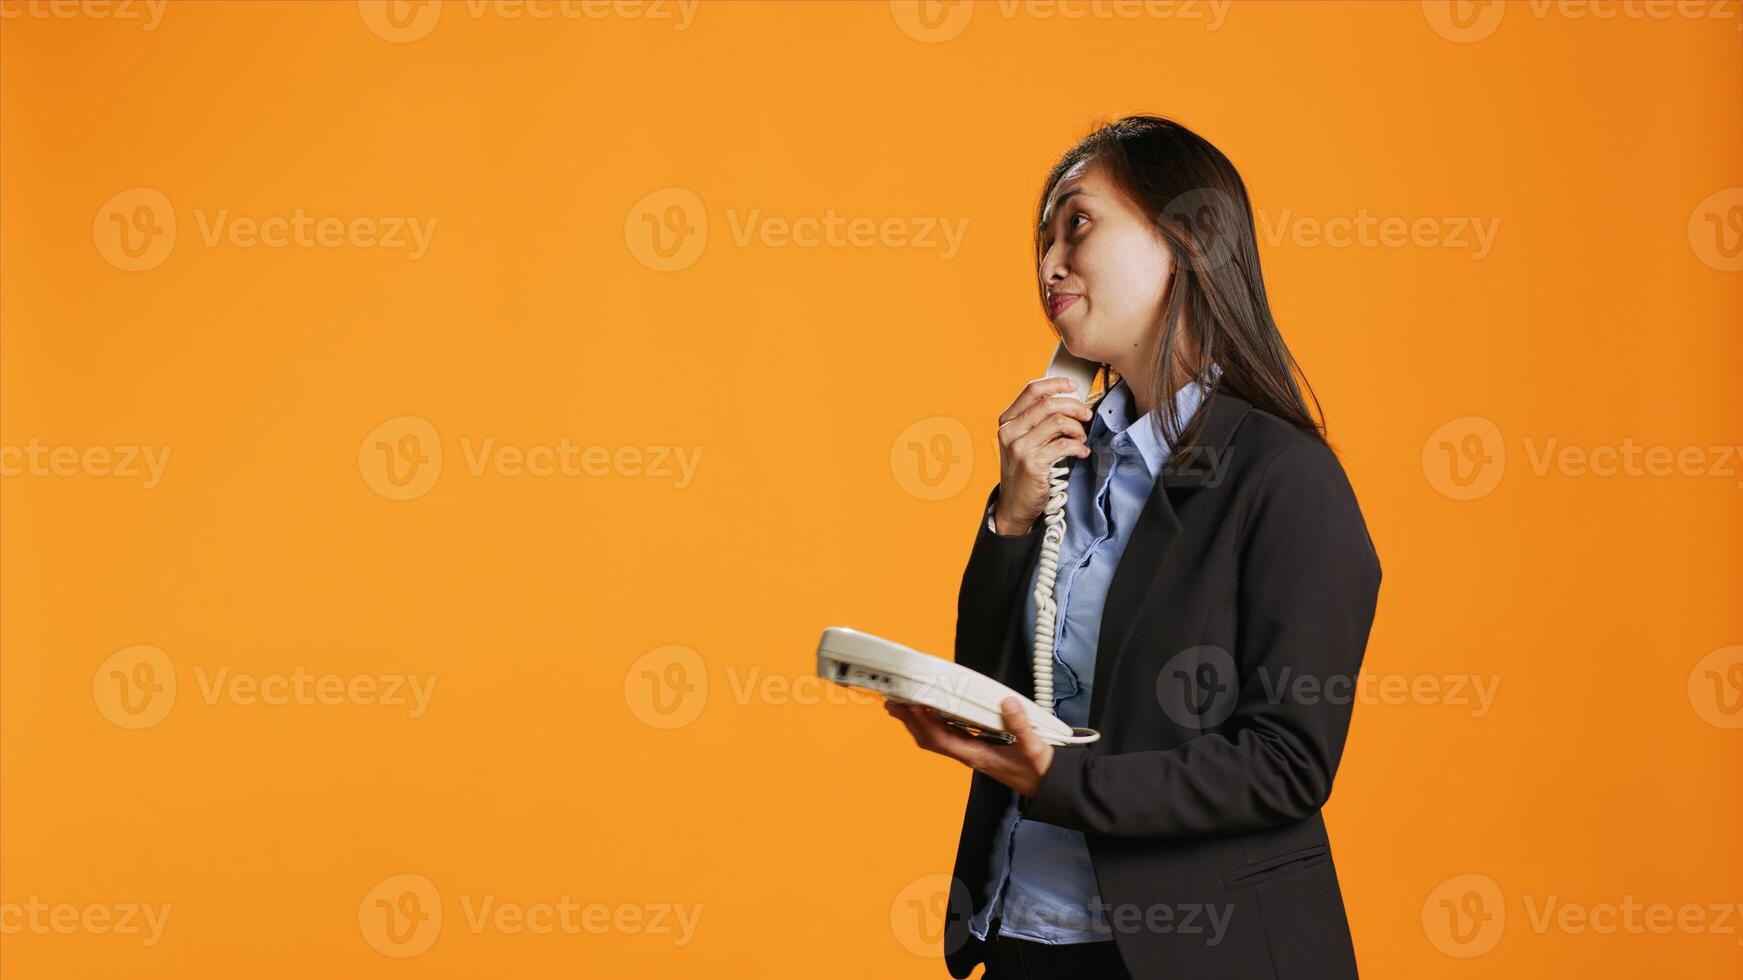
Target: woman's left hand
1019,765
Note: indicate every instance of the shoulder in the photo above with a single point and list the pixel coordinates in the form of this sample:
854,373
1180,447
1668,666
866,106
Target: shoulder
1265,448
1293,485
1271,458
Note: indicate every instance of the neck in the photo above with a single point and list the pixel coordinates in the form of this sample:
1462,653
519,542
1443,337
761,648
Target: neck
1144,394
1138,379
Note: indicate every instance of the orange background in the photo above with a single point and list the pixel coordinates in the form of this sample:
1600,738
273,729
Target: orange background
799,821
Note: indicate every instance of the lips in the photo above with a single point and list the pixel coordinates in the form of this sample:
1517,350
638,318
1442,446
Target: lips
1060,301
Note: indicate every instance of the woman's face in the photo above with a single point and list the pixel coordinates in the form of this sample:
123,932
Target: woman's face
1105,271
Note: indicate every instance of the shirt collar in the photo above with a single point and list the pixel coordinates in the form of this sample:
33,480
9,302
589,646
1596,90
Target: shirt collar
1111,412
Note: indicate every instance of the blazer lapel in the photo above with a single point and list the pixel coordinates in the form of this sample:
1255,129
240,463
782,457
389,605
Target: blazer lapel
1145,558
1141,565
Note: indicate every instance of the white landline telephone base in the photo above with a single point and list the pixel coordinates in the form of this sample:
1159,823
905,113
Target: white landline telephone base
967,700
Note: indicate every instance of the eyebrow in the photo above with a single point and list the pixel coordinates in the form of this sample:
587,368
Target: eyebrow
1047,215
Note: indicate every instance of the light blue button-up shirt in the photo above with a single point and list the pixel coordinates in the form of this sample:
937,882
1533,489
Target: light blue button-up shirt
1043,871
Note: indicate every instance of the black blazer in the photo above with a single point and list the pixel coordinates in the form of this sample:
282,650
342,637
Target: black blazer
1231,638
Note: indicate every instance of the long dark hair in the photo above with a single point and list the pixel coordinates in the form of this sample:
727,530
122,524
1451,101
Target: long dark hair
1200,207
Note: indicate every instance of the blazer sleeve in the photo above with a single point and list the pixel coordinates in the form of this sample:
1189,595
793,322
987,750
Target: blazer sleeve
1307,583
997,568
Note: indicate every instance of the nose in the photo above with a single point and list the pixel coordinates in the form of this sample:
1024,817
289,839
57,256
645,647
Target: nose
1053,265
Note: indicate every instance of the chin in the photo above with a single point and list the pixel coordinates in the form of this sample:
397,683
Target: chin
1078,344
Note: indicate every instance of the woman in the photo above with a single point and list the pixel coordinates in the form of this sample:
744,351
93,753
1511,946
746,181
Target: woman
1215,589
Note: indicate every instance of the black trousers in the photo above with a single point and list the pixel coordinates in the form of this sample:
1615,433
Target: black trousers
1009,958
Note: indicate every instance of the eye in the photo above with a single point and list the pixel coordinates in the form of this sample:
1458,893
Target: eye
1070,226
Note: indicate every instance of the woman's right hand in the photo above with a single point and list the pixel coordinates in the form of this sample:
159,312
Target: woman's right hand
1039,428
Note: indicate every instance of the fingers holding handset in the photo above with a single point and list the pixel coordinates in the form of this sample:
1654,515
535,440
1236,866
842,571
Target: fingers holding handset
1043,424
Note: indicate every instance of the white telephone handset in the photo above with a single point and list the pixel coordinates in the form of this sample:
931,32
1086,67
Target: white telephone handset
967,699
1064,365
